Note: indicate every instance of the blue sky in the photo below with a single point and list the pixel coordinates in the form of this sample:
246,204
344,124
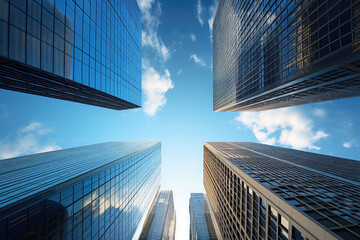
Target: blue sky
177,109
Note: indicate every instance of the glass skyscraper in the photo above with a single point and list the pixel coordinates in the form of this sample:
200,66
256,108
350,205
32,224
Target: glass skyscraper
160,222
202,226
270,54
92,192
86,51
264,192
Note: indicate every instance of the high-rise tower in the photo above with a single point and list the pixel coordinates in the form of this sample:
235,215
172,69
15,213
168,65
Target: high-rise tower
258,191
272,54
93,192
82,51
202,226
160,222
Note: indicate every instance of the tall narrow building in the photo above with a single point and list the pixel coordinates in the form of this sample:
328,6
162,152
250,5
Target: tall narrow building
202,226
272,54
82,51
258,191
93,192
160,222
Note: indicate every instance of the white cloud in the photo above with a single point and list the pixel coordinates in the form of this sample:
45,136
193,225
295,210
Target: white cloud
319,112
198,60
193,37
212,11
151,11
199,12
285,126
347,145
155,86
26,141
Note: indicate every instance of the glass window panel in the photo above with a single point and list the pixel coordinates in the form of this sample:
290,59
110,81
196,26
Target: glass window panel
85,79
21,4
49,5
284,222
17,18
47,56
263,203
68,66
60,10
33,27
17,224
296,234
4,10
77,71
34,10
59,43
273,212
59,60
17,44
48,20
59,28
47,35
33,51
4,39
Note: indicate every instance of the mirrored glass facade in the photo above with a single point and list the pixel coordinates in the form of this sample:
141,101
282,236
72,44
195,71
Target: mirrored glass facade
202,226
160,222
258,191
86,51
269,54
93,192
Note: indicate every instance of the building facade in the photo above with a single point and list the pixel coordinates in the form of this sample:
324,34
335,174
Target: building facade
271,54
258,191
160,222
93,192
202,226
83,51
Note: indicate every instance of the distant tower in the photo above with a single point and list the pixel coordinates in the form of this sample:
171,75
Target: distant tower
93,192
258,191
161,220
202,226
273,54
81,51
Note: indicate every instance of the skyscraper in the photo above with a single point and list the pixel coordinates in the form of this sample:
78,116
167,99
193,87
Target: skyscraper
82,51
161,220
92,192
263,192
202,226
272,54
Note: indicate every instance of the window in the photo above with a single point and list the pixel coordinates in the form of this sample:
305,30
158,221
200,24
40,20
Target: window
284,223
297,234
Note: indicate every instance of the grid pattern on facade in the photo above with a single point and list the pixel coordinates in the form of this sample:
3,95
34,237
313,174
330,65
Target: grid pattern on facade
65,49
160,222
263,45
201,224
244,211
104,202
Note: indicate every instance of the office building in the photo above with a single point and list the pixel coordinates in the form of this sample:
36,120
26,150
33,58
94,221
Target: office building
83,51
202,226
93,192
272,54
160,222
258,191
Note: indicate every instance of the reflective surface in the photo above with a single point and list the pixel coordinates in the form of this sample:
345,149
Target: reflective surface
92,192
160,222
95,43
266,192
201,224
260,46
